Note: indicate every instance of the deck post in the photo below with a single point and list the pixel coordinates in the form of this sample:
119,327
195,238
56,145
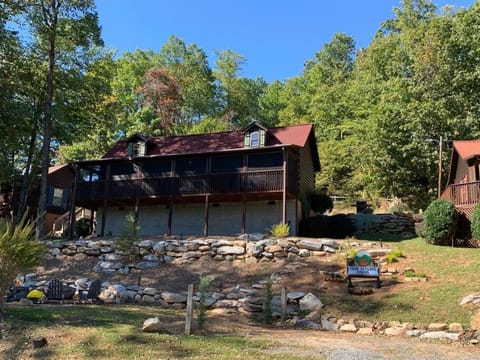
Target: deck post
205,223
71,220
170,214
284,189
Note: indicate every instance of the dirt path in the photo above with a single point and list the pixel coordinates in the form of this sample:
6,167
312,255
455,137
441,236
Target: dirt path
343,346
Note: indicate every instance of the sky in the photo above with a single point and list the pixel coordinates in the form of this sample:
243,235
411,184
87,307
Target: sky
276,37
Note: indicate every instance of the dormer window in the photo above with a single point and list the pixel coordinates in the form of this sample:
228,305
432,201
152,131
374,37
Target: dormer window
136,148
254,135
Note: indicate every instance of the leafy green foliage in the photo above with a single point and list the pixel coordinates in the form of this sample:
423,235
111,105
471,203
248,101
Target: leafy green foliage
475,225
204,288
440,222
19,251
267,303
82,227
129,233
393,255
280,230
320,203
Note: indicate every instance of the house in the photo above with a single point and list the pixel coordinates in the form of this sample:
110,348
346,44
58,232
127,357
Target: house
209,184
463,186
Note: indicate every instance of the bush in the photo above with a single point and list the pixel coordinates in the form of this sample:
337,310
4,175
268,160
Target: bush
440,222
82,227
280,230
320,203
129,233
475,225
19,251
204,288
393,255
336,226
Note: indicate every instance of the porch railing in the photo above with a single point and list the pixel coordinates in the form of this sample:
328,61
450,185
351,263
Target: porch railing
463,194
251,182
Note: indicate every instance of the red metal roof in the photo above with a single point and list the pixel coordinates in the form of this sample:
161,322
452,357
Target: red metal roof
204,143
467,149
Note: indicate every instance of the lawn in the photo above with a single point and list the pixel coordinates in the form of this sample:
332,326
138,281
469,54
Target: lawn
114,331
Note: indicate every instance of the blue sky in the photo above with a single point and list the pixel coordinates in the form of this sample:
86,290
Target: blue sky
275,37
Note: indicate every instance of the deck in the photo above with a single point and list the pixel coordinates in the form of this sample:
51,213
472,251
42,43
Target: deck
465,196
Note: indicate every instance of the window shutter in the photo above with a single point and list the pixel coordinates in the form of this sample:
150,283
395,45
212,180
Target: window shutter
262,138
130,149
247,140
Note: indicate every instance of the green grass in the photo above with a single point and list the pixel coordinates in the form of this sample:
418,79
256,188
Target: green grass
452,274
114,332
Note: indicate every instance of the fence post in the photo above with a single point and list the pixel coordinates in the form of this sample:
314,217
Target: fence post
188,322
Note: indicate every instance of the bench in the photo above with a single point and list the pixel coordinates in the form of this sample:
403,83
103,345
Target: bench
362,266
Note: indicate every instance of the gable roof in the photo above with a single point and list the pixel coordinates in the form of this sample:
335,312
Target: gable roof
467,149
463,149
297,135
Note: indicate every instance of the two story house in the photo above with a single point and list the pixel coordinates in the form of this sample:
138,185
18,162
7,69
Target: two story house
209,184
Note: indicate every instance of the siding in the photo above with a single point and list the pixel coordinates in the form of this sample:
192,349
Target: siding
306,172
462,170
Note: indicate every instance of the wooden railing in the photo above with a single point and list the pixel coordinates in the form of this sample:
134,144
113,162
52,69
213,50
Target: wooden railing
250,182
463,194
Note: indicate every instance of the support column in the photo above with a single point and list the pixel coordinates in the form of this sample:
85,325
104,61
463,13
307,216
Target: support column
205,223
244,214
284,190
106,193
71,216
170,214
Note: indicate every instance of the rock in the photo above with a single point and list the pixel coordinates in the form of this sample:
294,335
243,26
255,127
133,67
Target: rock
80,257
455,328
146,244
475,321
220,242
149,291
152,325
310,303
39,342
26,302
147,265
159,248
437,327
171,297
304,253
415,332
111,257
348,328
310,245
365,331
252,237
230,250
227,304
329,326
308,324
295,295
470,299
394,331
440,335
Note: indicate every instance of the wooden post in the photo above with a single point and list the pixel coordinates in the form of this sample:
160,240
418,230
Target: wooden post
205,223
284,190
440,154
283,298
71,220
188,322
170,214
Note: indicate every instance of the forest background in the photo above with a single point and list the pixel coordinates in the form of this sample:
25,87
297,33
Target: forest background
379,112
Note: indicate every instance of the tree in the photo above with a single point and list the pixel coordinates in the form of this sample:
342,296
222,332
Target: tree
60,27
160,92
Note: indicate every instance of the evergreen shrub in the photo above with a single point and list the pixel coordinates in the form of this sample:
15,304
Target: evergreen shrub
440,222
475,225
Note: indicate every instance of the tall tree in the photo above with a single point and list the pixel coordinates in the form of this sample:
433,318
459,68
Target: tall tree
60,27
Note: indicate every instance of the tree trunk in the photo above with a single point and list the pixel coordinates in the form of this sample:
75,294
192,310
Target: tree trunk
47,130
22,205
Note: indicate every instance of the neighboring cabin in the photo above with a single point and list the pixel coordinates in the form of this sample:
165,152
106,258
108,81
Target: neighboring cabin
463,186
209,184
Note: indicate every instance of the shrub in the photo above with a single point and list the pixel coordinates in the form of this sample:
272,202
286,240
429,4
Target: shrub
267,304
321,203
440,222
204,287
129,233
393,255
82,227
19,251
336,226
280,230
475,225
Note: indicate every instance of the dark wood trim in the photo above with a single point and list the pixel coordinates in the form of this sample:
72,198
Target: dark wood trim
71,220
170,215
284,190
244,214
205,224
105,202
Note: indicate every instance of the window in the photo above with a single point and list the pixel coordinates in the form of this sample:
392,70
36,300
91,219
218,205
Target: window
265,161
254,139
57,199
156,168
123,171
227,164
92,174
136,148
191,166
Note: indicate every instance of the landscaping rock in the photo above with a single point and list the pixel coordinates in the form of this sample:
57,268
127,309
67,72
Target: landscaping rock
310,303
